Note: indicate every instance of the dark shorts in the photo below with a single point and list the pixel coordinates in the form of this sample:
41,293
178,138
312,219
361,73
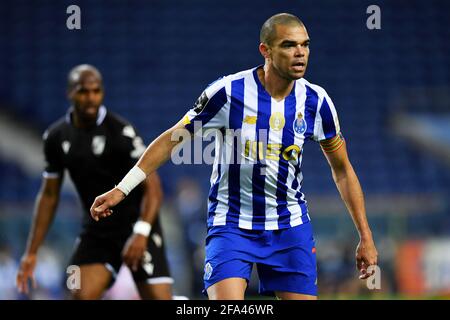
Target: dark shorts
97,248
285,259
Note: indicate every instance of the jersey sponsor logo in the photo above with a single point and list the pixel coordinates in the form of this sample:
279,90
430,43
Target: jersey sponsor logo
129,132
255,150
277,121
208,271
300,124
98,145
65,145
292,153
201,103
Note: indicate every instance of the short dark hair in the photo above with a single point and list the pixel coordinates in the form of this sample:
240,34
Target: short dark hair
75,74
268,31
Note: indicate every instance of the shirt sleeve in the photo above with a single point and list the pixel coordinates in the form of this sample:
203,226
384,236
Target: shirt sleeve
136,144
52,152
208,111
327,122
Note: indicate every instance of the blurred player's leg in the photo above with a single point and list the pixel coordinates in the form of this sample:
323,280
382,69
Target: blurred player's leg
228,289
95,279
152,278
160,291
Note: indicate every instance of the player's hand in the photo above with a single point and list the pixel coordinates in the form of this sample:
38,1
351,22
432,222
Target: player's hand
366,255
101,208
133,251
26,272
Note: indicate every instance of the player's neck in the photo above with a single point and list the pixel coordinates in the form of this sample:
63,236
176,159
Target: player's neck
278,87
80,122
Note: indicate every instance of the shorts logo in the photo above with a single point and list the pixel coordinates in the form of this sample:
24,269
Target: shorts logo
208,271
98,144
157,240
147,263
300,124
65,146
201,103
277,121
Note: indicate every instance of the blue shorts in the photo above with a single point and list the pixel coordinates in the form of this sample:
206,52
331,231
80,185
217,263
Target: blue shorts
285,259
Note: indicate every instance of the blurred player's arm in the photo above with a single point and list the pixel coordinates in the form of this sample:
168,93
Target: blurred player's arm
44,212
152,199
157,153
136,245
350,190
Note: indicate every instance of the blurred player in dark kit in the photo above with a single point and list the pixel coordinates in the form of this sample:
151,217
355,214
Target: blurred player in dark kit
97,148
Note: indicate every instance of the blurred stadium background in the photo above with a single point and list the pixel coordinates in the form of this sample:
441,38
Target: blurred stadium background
390,86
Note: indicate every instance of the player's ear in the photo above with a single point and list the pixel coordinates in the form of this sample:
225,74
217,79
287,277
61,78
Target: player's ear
264,49
70,92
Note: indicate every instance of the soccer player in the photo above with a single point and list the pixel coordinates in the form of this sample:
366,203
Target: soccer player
257,213
97,148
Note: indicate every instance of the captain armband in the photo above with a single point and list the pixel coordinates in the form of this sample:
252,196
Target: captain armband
333,144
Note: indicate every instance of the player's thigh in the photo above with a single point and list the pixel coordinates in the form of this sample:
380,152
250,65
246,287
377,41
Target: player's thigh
291,270
228,289
155,291
283,295
153,278
228,264
94,280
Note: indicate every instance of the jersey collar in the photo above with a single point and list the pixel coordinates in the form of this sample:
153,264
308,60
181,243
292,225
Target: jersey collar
101,114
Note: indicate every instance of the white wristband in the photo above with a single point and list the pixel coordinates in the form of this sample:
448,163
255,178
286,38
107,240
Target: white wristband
134,177
142,227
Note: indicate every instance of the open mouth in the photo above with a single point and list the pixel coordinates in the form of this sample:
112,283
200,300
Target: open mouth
299,64
90,110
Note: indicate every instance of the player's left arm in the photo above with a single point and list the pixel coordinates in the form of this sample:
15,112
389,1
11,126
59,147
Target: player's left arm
152,199
351,193
136,245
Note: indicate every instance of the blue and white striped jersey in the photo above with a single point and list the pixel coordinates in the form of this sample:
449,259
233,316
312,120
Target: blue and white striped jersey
256,178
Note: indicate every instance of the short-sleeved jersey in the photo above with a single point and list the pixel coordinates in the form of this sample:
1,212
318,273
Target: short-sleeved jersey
96,159
256,178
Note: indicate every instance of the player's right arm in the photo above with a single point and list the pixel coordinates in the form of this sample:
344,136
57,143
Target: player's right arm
157,153
44,212
208,112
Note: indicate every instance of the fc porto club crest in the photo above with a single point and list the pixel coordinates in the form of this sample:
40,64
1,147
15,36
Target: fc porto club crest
208,271
98,145
300,124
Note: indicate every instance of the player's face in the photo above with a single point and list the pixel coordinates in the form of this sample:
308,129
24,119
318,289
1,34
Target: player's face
87,97
289,51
